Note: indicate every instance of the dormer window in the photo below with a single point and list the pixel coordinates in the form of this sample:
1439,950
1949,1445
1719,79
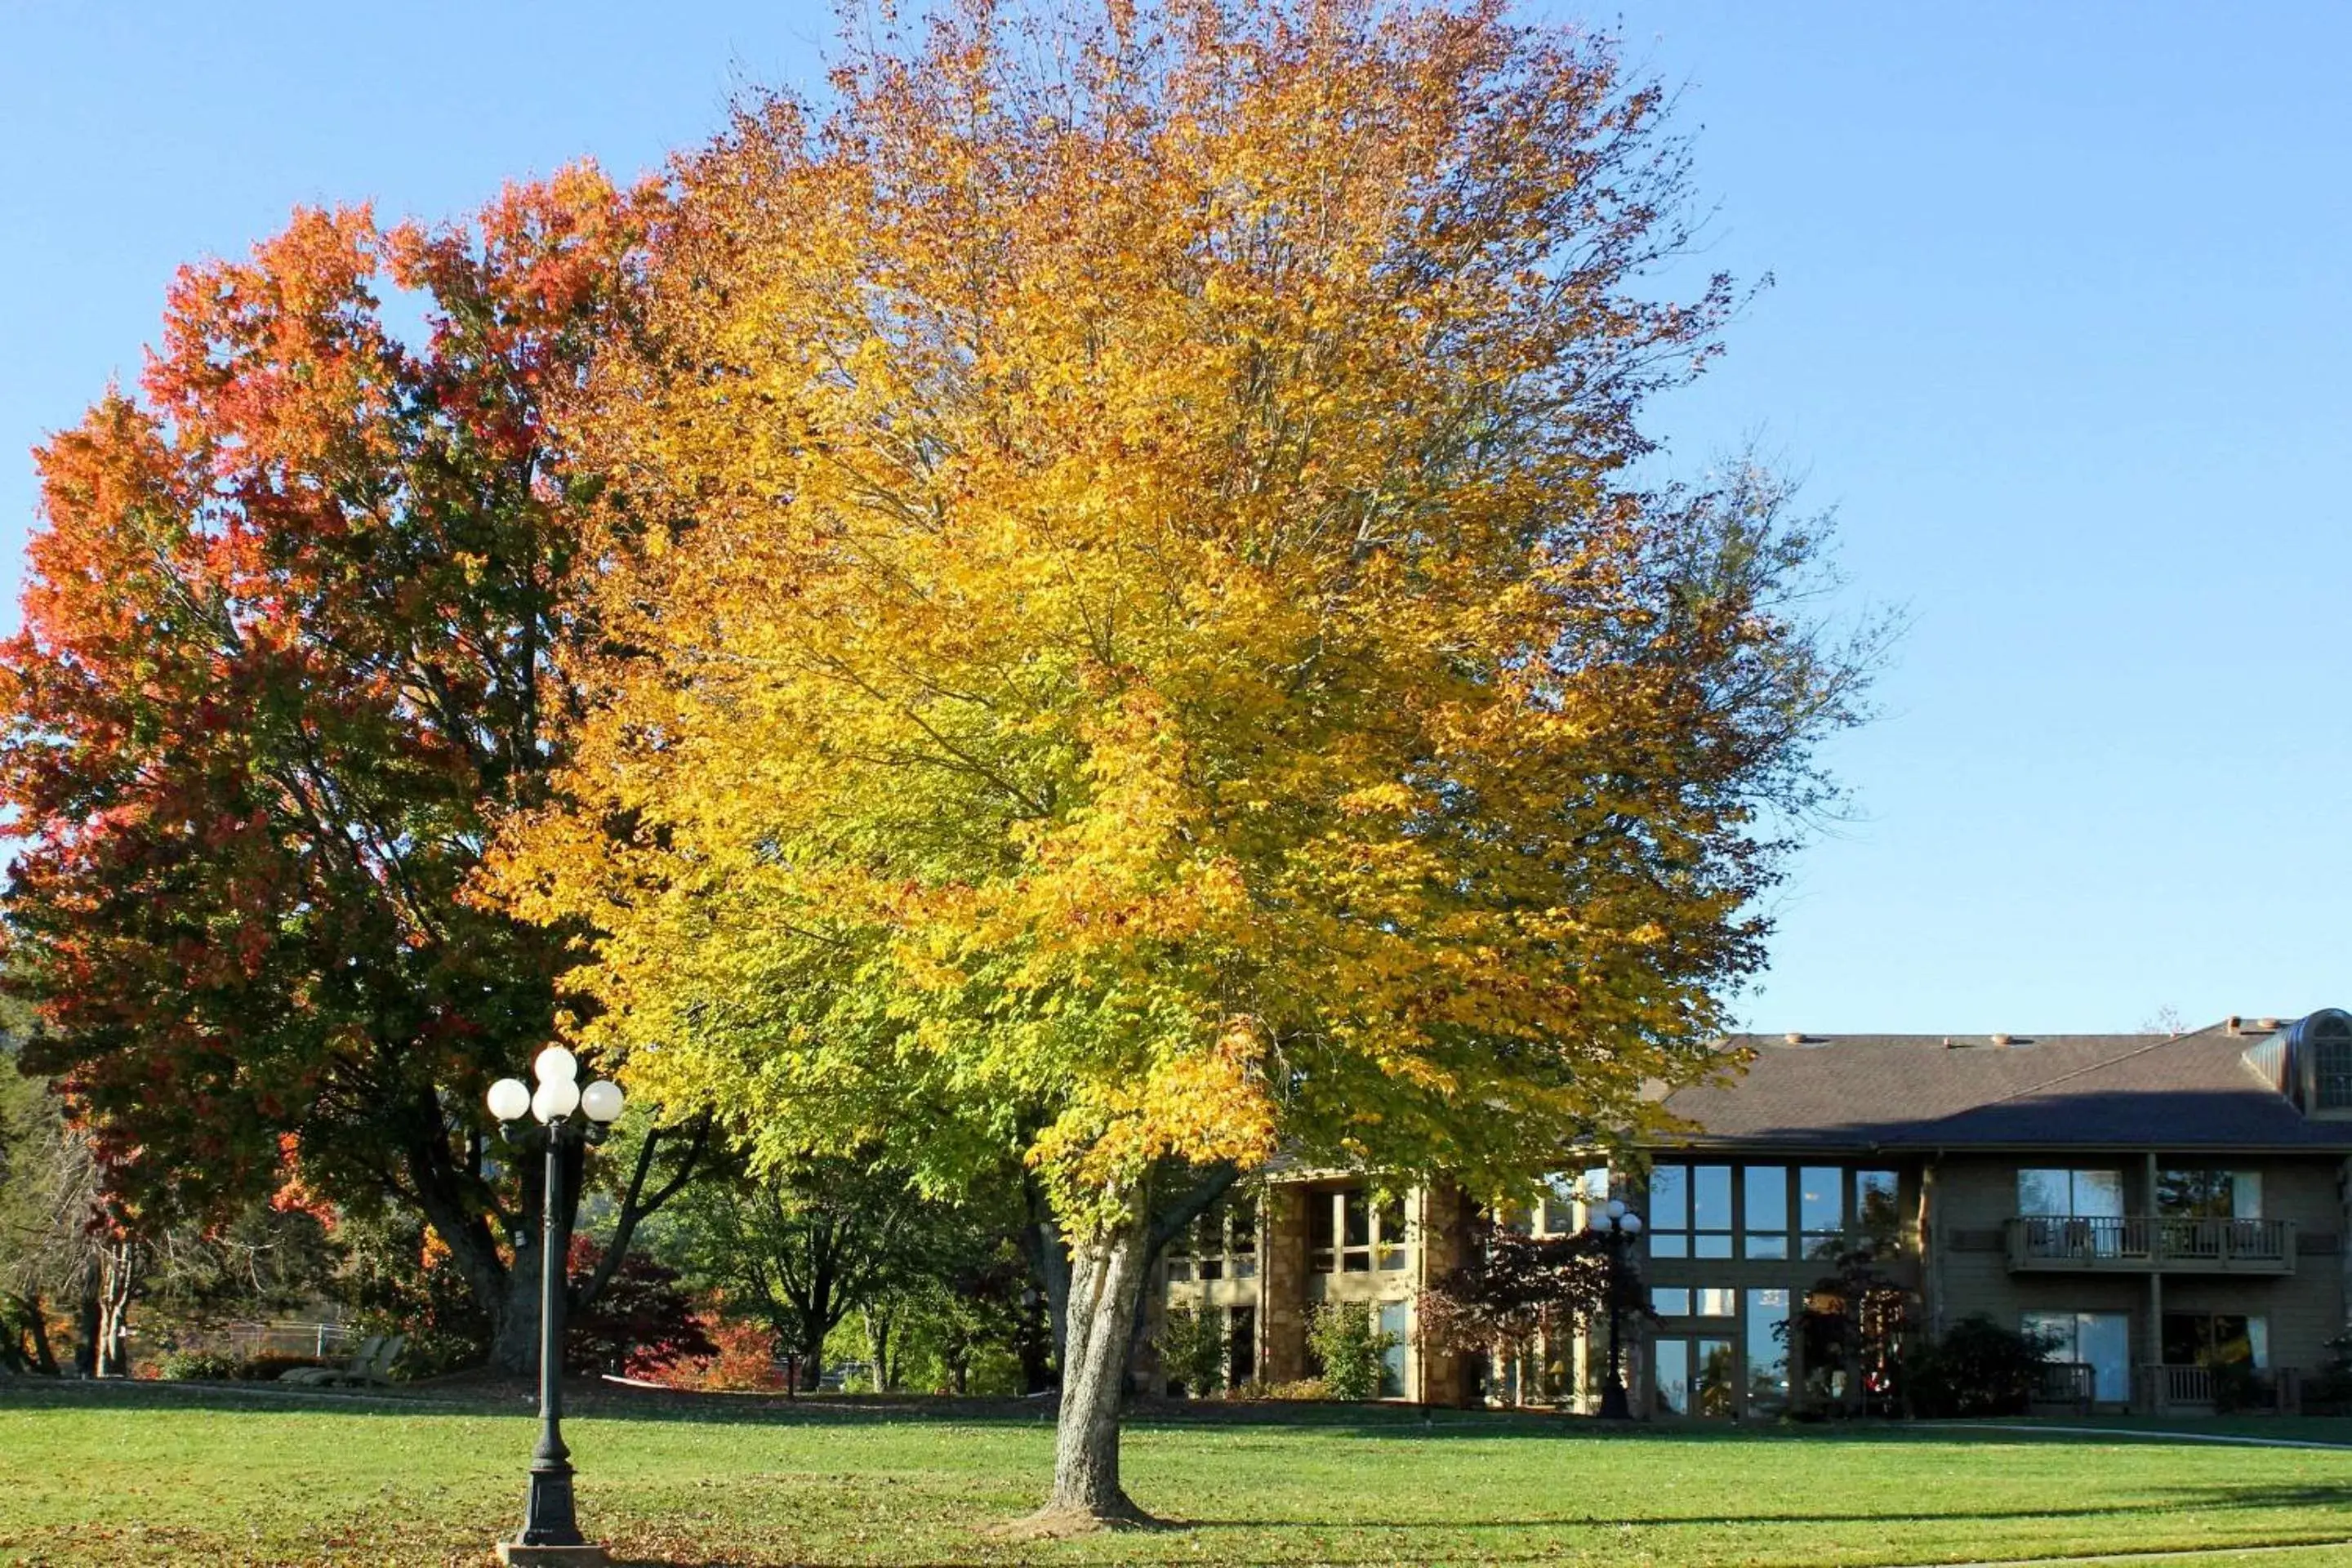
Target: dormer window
2331,1063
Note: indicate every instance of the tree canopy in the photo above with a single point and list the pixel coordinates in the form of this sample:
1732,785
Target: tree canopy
285,658
1136,636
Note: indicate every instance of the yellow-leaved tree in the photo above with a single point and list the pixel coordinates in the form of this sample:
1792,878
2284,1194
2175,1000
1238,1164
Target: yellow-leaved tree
1132,640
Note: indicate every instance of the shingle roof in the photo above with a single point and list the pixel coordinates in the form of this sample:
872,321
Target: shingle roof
2187,1090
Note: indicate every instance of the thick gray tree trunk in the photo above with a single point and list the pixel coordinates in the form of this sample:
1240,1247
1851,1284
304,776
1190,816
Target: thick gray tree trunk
1107,1270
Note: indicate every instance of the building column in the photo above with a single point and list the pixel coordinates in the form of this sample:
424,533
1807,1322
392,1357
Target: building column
1437,1374
1282,1285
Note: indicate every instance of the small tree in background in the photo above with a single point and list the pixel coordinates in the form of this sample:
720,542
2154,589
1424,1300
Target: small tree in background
1516,1292
642,1323
1980,1367
1191,1346
1346,1340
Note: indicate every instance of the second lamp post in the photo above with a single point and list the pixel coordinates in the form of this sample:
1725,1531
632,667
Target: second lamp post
1617,1227
551,1530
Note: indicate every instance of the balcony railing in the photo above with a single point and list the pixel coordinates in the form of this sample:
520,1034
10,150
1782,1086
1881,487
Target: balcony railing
2145,1244
2197,1391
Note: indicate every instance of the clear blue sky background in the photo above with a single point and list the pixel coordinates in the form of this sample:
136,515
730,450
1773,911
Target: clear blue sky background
2060,330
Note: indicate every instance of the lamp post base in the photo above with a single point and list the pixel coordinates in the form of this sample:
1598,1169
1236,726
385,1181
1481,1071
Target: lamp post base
521,1556
1614,1406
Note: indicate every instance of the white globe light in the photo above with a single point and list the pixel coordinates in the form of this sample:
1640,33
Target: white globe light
1616,1208
1631,1224
556,1097
602,1100
1599,1223
556,1065
509,1099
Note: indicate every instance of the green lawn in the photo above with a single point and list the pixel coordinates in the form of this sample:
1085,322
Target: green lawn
164,1475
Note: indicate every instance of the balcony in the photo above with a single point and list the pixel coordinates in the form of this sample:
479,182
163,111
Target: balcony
2146,1245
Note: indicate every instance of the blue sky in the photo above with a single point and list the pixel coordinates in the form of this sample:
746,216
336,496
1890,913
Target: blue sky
2060,330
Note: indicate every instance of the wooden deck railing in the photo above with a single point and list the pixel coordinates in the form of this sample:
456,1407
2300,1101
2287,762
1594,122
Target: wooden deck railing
2143,1244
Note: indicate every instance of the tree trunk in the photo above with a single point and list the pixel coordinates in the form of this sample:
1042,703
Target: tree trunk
88,1318
1106,1279
117,1266
514,1316
1049,1259
44,1356
877,1346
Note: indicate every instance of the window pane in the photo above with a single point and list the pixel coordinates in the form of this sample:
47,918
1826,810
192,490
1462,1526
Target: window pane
1671,1358
1392,1324
2043,1193
1670,1199
1672,1245
2104,1339
2245,1195
1768,1353
1711,1247
2099,1194
1670,1302
1242,1234
1773,1245
1358,1212
1711,1198
2258,1341
1767,1197
1821,1198
1560,1203
1714,1376
1715,1301
1877,1210
1318,1219
2056,1333
1241,1343
1391,1219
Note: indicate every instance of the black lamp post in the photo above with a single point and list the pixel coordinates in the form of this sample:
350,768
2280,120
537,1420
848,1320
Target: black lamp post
551,1531
1617,1227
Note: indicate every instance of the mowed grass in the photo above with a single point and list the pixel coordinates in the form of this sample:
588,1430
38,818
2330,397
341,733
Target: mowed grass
168,1476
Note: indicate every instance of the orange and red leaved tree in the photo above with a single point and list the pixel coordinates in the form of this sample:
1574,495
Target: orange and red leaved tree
285,654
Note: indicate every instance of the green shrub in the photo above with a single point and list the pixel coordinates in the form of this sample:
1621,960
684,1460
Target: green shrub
1298,1388
2328,1390
1192,1348
195,1366
2238,1386
1345,1339
1978,1368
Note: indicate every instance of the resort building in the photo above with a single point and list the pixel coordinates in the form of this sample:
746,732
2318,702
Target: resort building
2156,1206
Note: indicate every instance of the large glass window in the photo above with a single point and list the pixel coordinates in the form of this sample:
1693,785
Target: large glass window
1692,1376
1690,1211
2208,1194
1768,1210
2216,1339
2101,1340
1671,1374
1876,1209
1767,1350
1820,1209
2086,1195
1392,1324
1220,1244
1348,1233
